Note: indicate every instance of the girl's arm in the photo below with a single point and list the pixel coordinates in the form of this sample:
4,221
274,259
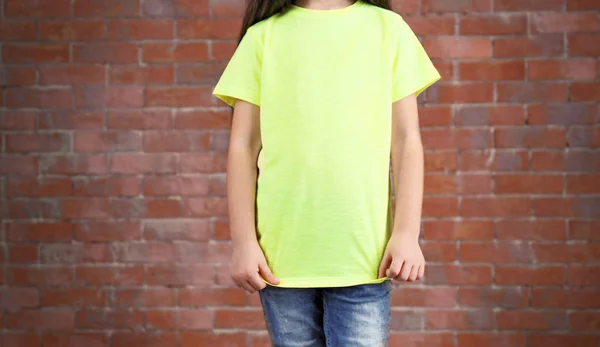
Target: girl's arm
403,258
248,263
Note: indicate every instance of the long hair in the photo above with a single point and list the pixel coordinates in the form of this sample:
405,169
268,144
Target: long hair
259,10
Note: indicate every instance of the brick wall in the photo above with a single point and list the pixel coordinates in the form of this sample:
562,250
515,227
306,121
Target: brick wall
114,229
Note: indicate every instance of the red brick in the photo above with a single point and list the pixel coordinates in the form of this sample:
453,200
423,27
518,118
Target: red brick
41,319
72,74
143,163
439,251
202,163
562,114
464,230
456,6
150,297
19,297
497,297
198,230
573,22
459,275
561,340
582,5
208,73
41,187
49,142
233,8
440,206
185,52
40,276
72,119
576,69
106,8
109,275
186,319
445,68
178,96
12,30
209,29
85,208
461,93
114,52
406,320
80,297
497,207
20,339
440,161
151,252
460,138
234,318
134,74
74,253
141,29
505,252
39,231
35,53
452,47
109,319
531,92
139,119
176,141
531,230
435,116
37,8
222,51
176,185
497,160
18,120
180,275
585,91
530,320
146,339
528,184
107,231
212,119
87,339
584,229
212,339
528,5
529,275
583,136
504,24
492,70
18,75
205,207
212,297
59,98
179,8
459,319
431,25
587,321
583,184
566,253
107,142
572,298
530,46
72,30
584,275
492,340
582,45
424,297
23,254
74,164
584,207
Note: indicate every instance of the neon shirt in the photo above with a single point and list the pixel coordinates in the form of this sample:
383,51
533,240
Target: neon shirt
325,81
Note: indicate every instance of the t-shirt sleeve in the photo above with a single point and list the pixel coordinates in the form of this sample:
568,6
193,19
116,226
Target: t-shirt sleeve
242,75
413,71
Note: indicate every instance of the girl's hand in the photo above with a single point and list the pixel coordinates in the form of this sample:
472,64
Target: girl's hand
248,265
403,259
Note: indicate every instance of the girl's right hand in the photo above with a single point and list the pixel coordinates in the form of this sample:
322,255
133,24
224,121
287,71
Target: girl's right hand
248,265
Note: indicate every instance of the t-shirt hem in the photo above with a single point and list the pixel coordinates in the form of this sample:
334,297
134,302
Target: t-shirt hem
231,98
320,282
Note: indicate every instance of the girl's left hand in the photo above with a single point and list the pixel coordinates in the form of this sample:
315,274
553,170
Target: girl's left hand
403,259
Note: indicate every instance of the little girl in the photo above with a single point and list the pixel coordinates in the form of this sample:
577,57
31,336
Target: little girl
324,96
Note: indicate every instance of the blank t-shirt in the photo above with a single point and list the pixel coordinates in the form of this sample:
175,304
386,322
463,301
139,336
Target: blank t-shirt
325,81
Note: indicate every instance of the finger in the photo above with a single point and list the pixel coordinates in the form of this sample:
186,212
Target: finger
266,273
246,285
421,272
385,264
256,282
414,272
405,272
394,269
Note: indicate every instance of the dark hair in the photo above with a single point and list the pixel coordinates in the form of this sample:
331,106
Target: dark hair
258,10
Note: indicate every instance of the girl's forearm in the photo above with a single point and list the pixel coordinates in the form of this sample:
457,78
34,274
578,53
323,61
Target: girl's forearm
241,192
407,171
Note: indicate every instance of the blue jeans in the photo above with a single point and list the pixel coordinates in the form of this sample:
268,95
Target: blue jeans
356,316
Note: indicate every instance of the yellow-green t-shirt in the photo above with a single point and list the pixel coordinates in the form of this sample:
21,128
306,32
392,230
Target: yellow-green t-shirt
325,81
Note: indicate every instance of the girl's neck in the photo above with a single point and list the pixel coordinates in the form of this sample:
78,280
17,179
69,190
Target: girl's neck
324,4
